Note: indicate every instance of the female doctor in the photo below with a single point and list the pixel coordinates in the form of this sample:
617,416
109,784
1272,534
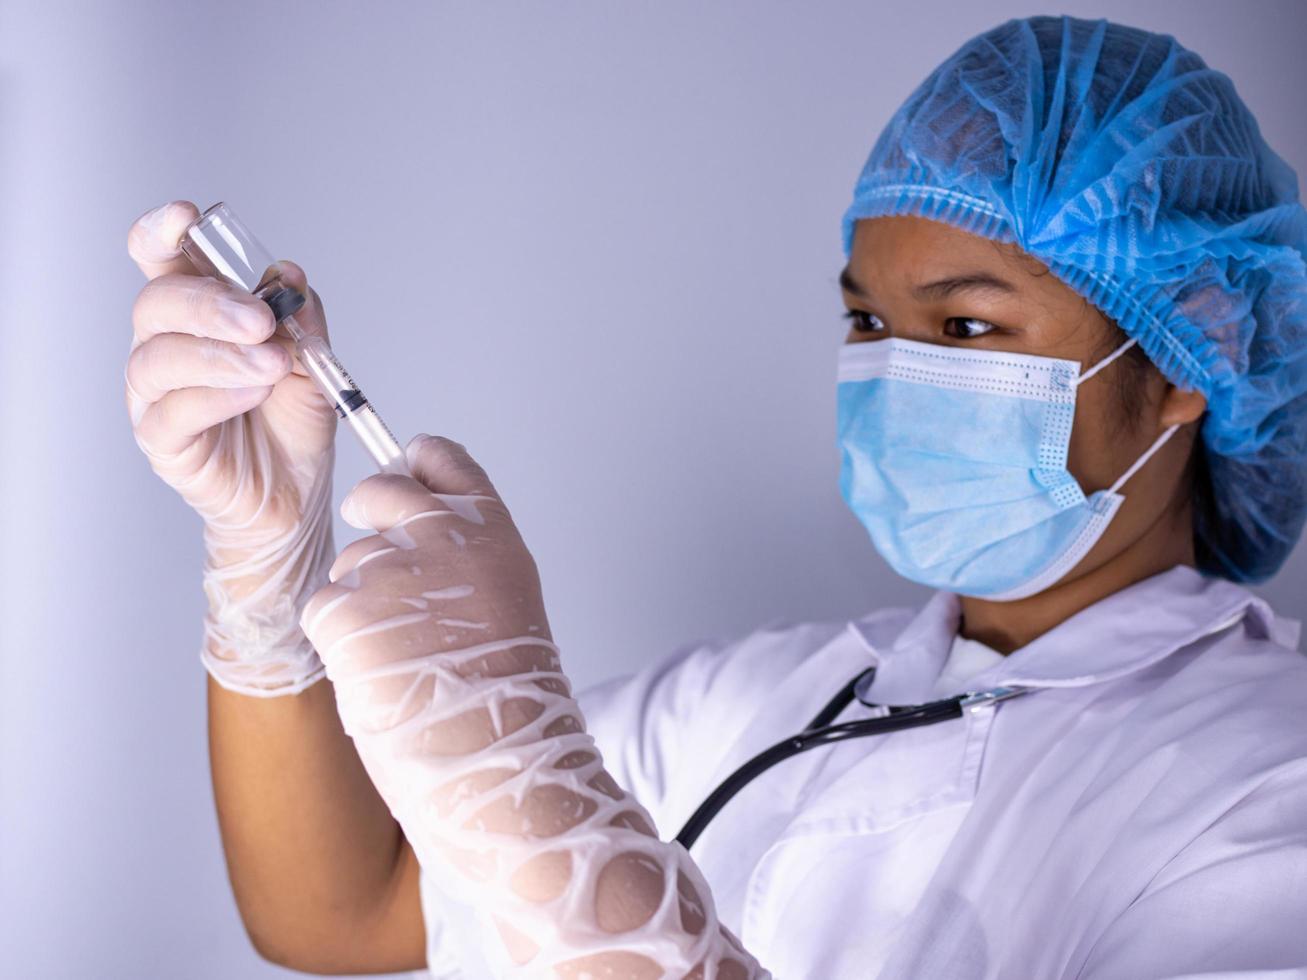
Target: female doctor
1072,399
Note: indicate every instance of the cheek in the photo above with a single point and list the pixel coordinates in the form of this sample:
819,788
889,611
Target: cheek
1100,448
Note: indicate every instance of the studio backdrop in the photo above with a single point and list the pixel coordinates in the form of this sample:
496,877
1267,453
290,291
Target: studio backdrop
597,243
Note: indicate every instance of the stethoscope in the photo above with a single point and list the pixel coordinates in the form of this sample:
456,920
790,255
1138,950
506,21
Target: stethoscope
819,731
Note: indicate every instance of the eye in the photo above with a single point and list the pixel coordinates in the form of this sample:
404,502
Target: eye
968,327
864,322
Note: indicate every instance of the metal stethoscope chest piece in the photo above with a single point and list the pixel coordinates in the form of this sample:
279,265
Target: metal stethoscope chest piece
820,731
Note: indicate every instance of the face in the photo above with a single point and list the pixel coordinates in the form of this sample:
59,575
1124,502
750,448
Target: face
927,281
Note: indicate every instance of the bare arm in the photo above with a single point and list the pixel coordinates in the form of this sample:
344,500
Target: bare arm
323,877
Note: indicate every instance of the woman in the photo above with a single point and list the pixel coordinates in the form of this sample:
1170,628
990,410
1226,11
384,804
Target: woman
1073,399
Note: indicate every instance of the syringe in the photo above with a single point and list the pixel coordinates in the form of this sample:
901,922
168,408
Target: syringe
218,243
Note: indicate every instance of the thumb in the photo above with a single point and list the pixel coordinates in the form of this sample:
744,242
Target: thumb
444,466
311,316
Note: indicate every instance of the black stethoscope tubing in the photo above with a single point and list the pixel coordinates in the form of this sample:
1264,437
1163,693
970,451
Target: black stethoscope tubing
819,731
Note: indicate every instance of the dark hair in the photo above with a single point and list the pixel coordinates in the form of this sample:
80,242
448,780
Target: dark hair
1131,379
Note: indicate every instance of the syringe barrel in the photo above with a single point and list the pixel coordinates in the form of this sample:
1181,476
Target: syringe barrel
351,406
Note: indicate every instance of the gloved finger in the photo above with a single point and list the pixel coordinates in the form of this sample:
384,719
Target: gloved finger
319,606
445,466
171,424
311,317
353,631
201,306
169,361
153,240
337,610
357,553
383,500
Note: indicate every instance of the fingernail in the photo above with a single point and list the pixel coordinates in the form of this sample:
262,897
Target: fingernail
349,512
244,317
150,240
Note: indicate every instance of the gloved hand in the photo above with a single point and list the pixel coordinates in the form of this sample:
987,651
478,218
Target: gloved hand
435,638
227,417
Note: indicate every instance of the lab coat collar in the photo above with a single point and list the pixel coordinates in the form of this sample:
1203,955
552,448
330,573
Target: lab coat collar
1124,632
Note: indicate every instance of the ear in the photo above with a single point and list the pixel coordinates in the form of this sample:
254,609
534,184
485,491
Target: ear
1180,406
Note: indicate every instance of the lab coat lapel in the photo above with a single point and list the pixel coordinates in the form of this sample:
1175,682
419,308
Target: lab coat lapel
1130,630
908,660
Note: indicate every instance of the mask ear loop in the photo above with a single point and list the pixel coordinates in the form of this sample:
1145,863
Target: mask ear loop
1157,443
1105,361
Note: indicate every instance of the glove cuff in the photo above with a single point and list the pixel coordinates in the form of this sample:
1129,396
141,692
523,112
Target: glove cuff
253,643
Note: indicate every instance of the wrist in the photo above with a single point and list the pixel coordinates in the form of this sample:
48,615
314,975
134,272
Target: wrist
253,642
271,672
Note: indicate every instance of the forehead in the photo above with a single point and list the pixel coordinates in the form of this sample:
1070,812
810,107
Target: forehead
900,250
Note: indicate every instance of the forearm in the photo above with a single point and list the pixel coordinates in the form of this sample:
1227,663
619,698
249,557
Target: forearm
312,852
435,636
533,825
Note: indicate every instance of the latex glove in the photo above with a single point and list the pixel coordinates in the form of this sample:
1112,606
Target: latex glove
227,417
435,638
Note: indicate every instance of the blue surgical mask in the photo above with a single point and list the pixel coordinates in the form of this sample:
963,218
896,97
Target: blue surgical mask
954,459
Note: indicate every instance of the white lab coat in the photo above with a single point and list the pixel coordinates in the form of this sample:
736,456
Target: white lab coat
1142,815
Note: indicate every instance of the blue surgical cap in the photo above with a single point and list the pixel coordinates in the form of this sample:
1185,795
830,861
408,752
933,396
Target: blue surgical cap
1138,176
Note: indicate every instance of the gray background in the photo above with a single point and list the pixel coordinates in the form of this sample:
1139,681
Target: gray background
595,242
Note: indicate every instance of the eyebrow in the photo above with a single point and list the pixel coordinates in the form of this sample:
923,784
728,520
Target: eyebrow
940,288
